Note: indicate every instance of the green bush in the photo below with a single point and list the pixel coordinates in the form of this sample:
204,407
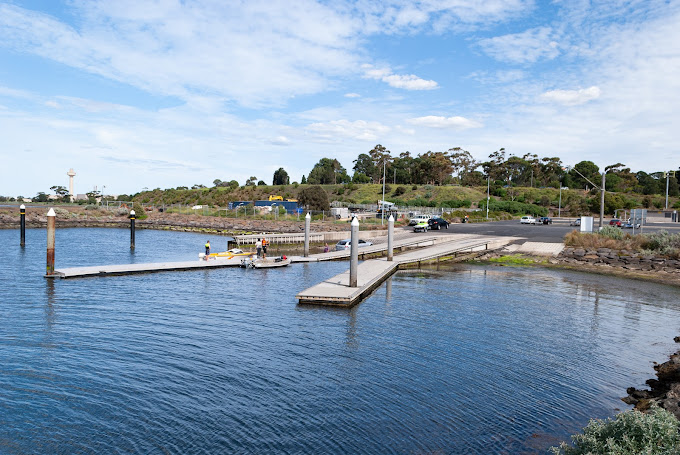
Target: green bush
399,191
662,242
457,203
140,213
516,208
630,433
612,232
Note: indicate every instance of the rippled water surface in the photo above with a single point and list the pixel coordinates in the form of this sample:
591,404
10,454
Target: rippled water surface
486,360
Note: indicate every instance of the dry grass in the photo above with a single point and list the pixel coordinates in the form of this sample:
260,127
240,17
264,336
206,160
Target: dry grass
628,242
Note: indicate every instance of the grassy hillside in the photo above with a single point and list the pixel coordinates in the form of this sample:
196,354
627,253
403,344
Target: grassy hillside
573,202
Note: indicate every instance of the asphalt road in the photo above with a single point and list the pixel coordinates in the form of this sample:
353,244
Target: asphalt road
553,233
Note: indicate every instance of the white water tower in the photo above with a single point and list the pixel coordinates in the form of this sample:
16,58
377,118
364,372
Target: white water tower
71,173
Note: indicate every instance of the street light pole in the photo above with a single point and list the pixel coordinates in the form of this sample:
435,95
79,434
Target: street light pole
382,205
559,205
668,176
488,195
604,176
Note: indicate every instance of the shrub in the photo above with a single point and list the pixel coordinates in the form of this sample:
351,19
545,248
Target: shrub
457,203
140,213
517,208
91,207
314,198
662,242
414,187
399,191
630,433
428,195
611,232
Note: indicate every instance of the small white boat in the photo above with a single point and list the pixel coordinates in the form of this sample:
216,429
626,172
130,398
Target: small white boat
280,261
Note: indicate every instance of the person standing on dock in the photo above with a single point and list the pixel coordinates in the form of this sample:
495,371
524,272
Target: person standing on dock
258,247
264,248
325,248
207,249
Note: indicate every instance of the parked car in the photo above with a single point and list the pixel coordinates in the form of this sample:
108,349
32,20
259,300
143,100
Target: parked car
437,223
576,222
615,222
418,218
545,220
422,226
630,225
347,244
527,220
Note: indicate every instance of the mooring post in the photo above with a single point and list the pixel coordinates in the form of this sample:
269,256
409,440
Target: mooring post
51,228
22,216
132,229
354,254
308,220
390,237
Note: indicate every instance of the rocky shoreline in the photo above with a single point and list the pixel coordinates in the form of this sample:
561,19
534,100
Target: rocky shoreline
171,221
664,391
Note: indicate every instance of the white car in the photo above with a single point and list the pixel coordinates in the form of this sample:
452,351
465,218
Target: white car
527,220
418,218
346,244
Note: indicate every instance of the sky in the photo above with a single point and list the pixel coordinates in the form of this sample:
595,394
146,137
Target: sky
137,94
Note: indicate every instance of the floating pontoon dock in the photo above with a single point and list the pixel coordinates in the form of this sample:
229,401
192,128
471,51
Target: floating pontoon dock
370,274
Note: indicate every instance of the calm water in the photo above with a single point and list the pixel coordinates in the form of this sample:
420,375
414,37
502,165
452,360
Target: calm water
481,360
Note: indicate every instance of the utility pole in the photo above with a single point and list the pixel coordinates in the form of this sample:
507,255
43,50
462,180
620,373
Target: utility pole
668,175
604,176
488,195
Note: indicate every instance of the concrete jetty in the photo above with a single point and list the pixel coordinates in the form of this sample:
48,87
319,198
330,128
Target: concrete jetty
128,269
337,292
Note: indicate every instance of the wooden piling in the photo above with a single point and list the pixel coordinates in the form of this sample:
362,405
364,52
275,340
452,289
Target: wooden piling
51,229
22,222
132,229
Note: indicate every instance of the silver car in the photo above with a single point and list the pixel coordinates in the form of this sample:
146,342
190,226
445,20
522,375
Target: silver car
346,244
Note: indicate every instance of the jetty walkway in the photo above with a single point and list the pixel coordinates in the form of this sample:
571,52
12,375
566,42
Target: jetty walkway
127,269
371,273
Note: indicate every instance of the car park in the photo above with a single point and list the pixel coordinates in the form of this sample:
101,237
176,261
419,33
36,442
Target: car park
422,226
545,220
418,218
347,244
437,223
527,220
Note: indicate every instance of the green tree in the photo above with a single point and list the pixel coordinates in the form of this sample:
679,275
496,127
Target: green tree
303,180
328,171
584,171
364,165
314,198
40,197
233,184
251,181
462,163
280,177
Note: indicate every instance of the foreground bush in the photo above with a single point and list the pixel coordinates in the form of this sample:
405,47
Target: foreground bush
577,239
663,242
630,433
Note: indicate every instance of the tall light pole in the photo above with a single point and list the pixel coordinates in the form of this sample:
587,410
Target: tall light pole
668,175
382,205
488,195
559,204
604,177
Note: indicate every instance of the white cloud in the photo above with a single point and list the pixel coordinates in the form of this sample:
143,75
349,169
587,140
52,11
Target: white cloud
352,95
456,123
406,82
526,47
572,97
280,140
359,130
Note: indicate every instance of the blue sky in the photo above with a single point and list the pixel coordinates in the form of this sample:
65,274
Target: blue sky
135,94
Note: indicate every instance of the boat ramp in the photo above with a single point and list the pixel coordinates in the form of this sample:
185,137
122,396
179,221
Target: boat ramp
336,291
